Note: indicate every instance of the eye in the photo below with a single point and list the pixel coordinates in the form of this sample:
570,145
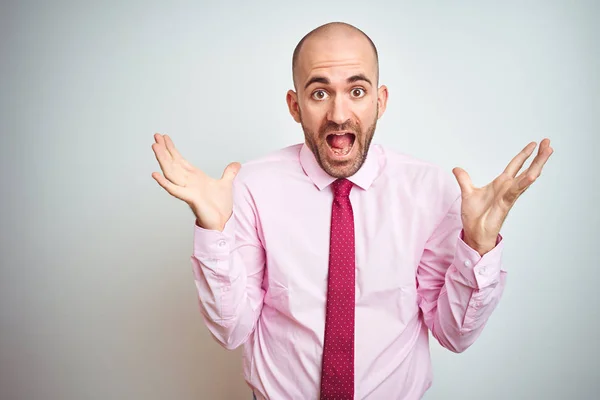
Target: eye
358,93
319,95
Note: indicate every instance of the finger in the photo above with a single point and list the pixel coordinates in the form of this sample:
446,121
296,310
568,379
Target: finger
540,160
162,156
171,147
527,177
171,188
512,193
172,151
523,183
160,141
231,171
161,147
464,181
188,166
517,162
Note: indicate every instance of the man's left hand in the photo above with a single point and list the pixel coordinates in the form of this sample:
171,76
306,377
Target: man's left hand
485,209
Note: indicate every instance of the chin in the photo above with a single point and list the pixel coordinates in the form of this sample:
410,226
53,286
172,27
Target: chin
341,152
341,165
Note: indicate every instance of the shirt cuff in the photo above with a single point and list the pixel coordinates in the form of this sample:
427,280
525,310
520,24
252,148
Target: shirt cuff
479,271
214,244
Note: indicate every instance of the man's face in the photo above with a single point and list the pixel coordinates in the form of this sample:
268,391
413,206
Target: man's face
337,101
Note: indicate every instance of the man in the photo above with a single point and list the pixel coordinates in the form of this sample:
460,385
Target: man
330,260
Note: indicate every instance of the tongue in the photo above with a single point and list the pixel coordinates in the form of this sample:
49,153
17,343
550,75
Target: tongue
341,141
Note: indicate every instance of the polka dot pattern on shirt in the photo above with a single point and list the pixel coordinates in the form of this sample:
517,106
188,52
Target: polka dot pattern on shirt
337,379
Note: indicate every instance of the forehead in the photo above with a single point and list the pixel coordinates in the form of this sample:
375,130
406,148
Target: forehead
336,56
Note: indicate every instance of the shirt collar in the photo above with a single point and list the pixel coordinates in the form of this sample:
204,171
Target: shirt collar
363,178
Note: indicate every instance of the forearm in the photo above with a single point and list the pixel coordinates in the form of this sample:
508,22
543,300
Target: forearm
228,280
473,286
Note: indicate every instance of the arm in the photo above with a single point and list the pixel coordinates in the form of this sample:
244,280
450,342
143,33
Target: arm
458,285
228,270
458,289
228,258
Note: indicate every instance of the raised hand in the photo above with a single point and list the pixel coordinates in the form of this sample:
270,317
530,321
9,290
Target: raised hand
211,200
485,209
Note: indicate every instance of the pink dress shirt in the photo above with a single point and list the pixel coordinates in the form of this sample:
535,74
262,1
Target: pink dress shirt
262,282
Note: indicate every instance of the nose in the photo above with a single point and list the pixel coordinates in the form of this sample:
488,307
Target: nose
339,111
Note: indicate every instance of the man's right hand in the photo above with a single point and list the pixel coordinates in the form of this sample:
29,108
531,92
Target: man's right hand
211,200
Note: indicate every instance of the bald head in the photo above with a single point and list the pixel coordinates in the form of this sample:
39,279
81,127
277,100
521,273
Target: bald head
337,97
339,32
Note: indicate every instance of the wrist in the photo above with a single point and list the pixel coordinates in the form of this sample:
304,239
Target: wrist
480,245
214,224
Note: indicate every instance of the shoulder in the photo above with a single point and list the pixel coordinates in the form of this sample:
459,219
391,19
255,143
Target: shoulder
270,167
399,162
425,179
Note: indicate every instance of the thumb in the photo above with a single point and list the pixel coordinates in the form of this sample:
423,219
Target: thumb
464,180
231,171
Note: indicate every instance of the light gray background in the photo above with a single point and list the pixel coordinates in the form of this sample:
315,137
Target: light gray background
97,299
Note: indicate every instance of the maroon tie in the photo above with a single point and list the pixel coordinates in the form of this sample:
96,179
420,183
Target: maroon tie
337,378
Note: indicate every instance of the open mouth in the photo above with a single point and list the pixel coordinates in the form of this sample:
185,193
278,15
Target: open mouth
341,143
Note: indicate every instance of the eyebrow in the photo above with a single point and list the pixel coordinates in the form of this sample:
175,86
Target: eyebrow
325,81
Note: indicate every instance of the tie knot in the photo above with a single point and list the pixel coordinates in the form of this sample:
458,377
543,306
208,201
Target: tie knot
341,188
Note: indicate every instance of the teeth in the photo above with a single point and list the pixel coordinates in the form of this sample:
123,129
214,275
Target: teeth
342,152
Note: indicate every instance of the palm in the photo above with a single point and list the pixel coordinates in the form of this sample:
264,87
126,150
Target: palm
485,209
487,206
211,200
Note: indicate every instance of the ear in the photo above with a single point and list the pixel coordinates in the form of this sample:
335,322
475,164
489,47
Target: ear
382,98
292,102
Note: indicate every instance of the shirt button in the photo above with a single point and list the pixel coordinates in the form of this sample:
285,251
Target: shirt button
222,243
468,264
481,271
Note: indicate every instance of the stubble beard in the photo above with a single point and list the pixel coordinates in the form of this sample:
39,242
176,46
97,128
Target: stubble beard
346,168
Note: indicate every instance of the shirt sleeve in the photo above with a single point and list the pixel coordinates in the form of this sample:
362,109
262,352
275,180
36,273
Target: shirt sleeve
228,271
457,288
